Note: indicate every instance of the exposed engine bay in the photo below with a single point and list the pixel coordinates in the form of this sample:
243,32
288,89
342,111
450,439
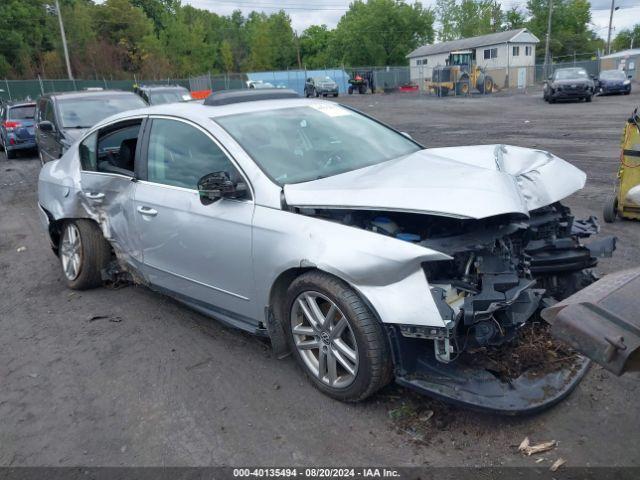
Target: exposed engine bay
504,269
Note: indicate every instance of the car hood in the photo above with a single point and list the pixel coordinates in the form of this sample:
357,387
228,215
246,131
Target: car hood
464,182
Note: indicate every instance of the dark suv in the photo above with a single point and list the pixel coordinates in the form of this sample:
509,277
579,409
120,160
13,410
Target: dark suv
568,84
62,118
16,127
159,94
320,86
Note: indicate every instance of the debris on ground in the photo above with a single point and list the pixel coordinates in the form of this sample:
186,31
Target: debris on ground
533,351
557,464
528,449
111,318
21,249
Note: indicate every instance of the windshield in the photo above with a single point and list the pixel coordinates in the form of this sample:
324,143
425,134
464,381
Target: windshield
23,112
86,112
569,74
169,96
324,80
299,144
613,75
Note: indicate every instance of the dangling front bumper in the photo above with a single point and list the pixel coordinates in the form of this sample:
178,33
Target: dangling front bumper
477,388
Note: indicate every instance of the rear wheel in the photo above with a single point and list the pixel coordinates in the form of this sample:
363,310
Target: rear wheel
83,252
11,154
587,98
610,210
350,90
362,90
335,338
442,91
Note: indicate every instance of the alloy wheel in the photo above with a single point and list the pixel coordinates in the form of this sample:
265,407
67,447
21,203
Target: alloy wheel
324,339
71,251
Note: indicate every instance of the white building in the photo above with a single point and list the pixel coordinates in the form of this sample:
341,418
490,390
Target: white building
509,57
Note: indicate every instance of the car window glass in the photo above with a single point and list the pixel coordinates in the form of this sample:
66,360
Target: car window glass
116,148
86,112
180,154
49,113
23,112
88,153
299,144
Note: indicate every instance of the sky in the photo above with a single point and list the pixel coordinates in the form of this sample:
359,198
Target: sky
304,13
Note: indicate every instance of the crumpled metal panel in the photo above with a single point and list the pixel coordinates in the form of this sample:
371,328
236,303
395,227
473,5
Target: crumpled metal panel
602,322
466,182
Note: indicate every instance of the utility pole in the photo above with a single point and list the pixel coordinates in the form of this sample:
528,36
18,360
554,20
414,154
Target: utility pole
610,22
546,47
298,49
64,41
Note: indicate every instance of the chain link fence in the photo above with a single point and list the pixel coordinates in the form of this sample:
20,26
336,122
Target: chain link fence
435,80
32,89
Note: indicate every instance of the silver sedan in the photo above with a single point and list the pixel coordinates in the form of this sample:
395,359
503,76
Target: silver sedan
341,239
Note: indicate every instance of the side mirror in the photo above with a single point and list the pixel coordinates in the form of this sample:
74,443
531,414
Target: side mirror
46,126
216,185
407,135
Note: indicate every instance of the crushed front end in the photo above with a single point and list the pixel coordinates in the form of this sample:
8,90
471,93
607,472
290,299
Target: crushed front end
494,352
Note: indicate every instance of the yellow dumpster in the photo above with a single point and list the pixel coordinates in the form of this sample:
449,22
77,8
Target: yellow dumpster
625,203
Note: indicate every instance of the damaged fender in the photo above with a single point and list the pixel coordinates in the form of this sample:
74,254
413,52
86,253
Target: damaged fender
386,271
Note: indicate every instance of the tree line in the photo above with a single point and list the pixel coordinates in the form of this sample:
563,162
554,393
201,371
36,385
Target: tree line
164,38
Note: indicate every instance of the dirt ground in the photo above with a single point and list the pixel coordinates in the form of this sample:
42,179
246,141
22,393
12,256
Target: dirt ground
166,386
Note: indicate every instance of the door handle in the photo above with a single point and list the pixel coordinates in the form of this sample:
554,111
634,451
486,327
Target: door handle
94,195
147,211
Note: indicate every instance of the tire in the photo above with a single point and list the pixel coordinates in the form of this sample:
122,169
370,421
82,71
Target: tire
315,92
306,93
462,87
350,90
442,91
335,95
362,90
11,154
362,334
552,100
610,210
93,251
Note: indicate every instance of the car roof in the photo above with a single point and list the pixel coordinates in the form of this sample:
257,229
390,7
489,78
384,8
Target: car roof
23,103
162,87
88,94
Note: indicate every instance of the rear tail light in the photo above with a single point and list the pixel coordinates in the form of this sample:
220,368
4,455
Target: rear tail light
11,125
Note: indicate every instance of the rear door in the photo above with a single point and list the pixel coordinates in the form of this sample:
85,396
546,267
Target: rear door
199,253
108,181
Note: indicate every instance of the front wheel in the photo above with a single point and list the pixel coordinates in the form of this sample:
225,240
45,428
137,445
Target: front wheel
588,98
335,338
84,253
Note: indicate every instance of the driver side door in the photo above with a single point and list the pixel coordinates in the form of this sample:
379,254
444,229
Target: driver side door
199,253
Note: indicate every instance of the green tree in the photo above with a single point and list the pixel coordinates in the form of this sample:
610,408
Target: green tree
381,32
570,31
628,38
315,44
226,56
446,14
514,18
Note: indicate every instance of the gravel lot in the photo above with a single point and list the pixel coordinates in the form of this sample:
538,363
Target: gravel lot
167,386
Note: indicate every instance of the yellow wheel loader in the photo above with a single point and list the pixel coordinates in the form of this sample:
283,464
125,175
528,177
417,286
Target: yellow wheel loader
460,75
625,202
